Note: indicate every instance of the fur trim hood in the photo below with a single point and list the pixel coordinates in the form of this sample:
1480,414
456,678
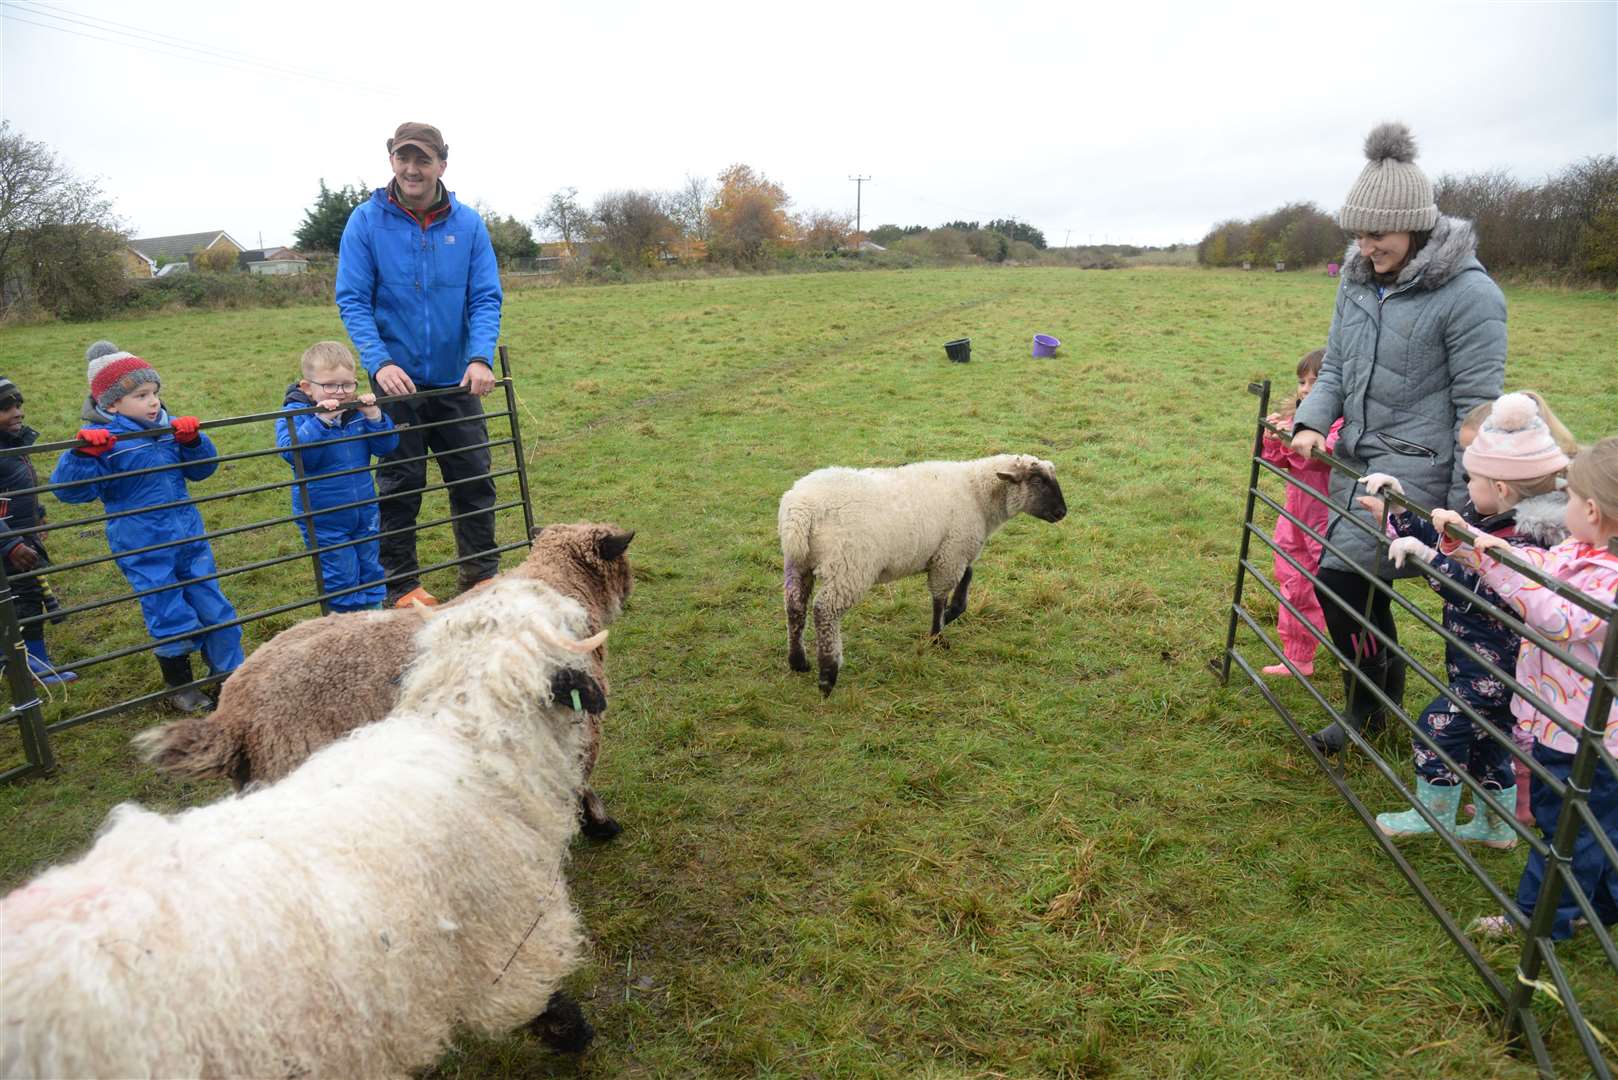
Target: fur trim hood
1543,518
1450,249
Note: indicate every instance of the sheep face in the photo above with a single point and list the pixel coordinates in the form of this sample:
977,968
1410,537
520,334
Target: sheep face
1031,488
598,553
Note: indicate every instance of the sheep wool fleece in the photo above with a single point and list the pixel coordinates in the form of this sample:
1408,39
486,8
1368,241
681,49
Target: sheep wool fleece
341,922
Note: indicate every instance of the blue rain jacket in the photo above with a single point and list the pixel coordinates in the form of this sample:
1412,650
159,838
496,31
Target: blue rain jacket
427,299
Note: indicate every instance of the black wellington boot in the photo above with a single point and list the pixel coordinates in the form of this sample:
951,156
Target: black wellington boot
1361,709
177,672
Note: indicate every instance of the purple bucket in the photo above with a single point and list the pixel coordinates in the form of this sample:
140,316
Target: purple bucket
1045,345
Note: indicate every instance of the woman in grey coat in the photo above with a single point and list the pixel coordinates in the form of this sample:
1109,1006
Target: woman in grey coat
1417,340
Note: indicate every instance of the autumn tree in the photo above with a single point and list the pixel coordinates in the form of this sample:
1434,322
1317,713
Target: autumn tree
631,227
216,260
748,215
822,232
59,240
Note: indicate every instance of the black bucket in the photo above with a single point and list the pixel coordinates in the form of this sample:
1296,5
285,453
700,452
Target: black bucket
959,350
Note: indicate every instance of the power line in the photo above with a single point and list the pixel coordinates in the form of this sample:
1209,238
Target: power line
149,43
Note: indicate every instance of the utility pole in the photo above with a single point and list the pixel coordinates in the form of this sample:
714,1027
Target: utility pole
859,182
1066,238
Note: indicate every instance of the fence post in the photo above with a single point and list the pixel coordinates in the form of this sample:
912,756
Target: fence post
1263,391
309,539
516,443
36,741
1585,762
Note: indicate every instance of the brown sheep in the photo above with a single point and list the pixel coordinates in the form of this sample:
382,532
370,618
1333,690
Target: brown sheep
315,682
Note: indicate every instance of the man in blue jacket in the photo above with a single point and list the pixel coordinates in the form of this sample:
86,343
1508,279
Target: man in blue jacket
418,288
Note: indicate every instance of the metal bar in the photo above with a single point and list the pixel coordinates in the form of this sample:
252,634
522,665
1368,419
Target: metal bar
1570,1005
516,441
1568,822
1263,391
263,564
307,518
1527,570
1445,833
241,455
267,522
1423,893
122,706
36,743
1427,621
1417,666
225,421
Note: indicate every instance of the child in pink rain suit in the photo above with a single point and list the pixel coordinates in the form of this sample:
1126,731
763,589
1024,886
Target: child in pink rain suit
1296,640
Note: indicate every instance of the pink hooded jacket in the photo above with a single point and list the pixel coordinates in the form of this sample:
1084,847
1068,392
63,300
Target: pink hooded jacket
1594,572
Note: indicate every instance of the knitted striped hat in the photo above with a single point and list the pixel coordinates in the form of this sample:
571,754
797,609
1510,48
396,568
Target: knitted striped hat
1514,443
116,374
1392,193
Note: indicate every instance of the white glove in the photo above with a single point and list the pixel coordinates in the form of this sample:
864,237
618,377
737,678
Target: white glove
1408,545
1377,482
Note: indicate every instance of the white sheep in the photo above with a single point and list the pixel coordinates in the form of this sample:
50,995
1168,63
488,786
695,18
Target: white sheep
405,879
849,529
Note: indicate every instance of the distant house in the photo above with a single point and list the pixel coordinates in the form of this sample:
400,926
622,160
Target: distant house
557,249
275,260
160,251
136,264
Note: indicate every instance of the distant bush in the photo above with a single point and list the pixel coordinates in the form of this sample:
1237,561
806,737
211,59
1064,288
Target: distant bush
231,291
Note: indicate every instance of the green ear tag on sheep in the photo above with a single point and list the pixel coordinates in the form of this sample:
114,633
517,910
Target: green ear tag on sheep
578,706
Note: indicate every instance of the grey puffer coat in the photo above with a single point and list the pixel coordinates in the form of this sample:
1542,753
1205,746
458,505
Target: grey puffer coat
1403,371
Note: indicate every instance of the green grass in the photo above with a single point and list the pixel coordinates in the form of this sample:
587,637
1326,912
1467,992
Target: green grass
1055,847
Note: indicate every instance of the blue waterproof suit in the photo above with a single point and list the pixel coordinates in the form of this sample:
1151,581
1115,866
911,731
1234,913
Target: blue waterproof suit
358,563
424,298
171,612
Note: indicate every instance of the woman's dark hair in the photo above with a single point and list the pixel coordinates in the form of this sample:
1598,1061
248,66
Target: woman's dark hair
1418,240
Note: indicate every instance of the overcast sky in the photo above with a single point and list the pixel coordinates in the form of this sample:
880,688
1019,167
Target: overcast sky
1139,122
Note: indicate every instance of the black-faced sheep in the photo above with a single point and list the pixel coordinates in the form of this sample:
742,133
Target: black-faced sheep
844,530
321,679
340,922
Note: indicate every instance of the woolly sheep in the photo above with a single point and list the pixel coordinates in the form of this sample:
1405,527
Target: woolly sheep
342,921
317,681
849,529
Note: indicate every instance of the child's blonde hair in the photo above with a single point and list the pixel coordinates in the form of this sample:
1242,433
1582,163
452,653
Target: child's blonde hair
1563,438
1594,475
327,355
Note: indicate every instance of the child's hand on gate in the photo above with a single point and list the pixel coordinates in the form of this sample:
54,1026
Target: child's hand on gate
97,441
1405,546
22,557
328,405
1378,482
1443,519
368,407
1484,541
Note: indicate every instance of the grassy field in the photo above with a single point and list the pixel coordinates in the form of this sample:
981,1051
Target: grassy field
1055,847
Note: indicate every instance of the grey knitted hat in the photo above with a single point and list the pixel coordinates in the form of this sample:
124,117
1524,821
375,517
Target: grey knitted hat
95,358
1392,193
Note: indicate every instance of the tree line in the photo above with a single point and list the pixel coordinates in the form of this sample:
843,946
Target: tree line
1565,226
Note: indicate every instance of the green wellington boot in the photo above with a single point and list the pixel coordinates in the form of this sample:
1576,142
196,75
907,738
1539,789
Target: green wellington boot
1489,828
1441,801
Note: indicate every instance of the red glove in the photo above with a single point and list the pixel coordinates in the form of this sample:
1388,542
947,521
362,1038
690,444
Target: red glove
185,430
97,441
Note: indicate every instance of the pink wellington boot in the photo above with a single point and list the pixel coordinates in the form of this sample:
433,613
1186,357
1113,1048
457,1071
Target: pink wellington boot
1306,669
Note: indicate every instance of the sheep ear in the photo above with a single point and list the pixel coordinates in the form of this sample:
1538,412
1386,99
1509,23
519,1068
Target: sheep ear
537,530
1010,477
613,545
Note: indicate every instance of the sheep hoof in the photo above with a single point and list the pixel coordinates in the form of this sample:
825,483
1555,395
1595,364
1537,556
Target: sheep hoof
562,1025
600,830
591,697
828,680
938,640
797,661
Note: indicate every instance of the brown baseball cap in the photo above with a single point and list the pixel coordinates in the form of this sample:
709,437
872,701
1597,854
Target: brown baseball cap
424,136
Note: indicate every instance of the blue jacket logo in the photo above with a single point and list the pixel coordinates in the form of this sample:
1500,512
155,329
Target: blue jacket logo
449,238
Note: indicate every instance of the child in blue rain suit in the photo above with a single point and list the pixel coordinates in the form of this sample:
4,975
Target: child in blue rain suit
158,550
325,445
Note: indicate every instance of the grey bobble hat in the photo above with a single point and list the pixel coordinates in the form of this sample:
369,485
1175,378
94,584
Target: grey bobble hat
96,356
1392,193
